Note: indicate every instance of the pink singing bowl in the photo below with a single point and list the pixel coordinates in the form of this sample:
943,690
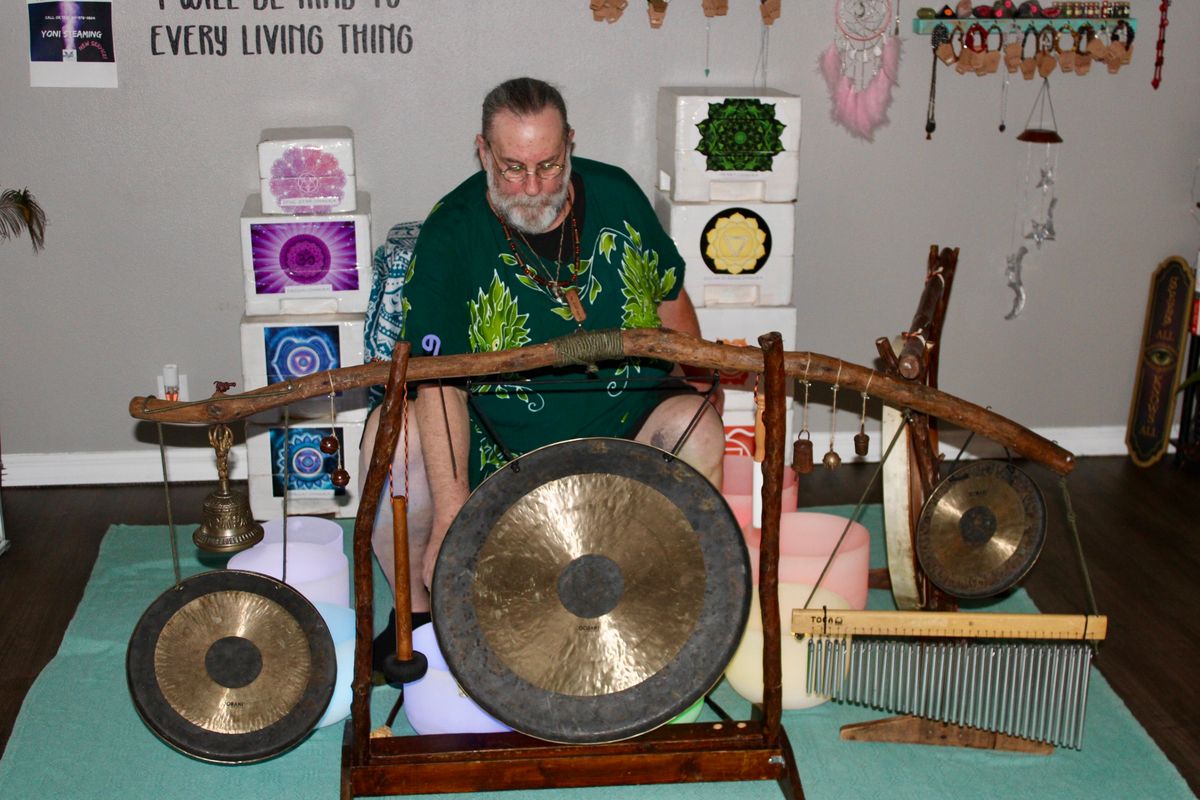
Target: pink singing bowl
738,488
806,538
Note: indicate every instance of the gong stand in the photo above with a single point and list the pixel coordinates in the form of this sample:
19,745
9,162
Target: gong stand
756,749
917,361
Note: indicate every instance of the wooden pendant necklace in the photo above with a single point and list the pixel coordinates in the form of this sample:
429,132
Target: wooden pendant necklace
561,290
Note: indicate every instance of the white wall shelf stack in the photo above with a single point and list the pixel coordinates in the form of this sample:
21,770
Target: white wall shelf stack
306,263
728,166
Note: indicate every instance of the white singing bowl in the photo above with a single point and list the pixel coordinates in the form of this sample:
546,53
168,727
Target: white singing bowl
436,703
314,570
340,621
305,530
745,670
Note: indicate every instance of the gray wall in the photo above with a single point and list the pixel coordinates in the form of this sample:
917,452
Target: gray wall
144,185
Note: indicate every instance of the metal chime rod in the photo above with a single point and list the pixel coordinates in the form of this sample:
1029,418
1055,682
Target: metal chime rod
1036,691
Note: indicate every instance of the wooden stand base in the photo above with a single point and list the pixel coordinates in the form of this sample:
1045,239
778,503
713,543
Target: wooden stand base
725,751
918,730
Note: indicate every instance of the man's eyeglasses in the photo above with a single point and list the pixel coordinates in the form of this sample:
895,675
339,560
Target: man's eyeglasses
514,173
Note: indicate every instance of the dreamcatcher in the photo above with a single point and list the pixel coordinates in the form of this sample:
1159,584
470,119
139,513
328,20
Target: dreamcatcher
861,66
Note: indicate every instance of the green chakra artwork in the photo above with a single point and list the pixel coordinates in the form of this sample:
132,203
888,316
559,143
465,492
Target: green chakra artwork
740,133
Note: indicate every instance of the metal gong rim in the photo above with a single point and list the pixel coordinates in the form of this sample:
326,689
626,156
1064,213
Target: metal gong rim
981,530
231,667
591,590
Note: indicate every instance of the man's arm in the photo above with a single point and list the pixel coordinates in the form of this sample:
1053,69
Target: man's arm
679,314
449,491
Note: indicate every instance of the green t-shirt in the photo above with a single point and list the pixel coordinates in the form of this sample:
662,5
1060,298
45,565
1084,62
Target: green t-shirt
465,287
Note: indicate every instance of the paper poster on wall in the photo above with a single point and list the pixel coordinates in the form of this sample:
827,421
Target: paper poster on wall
71,44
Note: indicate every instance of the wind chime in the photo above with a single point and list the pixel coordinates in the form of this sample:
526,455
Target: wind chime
861,65
1034,219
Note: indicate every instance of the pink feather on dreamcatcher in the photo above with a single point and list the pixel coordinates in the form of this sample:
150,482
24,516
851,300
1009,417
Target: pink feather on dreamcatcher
862,64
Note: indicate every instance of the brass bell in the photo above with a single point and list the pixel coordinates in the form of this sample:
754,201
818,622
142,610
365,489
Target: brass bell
227,525
802,456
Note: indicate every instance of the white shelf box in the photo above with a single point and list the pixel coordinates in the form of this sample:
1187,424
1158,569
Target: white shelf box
312,264
735,254
728,145
282,348
307,170
742,325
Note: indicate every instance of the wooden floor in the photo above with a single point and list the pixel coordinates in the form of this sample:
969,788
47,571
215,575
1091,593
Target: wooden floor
1140,530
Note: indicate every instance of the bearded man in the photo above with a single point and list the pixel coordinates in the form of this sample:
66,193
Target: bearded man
536,245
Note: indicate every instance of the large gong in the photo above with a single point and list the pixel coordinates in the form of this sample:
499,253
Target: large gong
231,666
591,590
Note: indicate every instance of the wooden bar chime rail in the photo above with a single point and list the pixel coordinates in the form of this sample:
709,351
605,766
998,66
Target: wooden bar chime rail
755,749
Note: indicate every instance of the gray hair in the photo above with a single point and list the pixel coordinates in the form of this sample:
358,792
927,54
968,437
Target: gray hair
522,97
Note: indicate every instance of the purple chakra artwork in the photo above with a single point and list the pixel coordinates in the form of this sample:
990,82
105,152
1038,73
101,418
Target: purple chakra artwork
307,180
304,255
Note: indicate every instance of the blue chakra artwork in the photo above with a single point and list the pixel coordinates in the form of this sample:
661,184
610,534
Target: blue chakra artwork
296,351
309,470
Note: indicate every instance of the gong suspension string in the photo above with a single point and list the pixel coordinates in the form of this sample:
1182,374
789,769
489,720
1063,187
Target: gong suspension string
162,453
862,500
714,382
1074,529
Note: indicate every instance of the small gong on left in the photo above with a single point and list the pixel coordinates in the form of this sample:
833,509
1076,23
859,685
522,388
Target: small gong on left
231,667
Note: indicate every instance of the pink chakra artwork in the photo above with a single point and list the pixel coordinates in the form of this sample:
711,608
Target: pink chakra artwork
291,256
307,180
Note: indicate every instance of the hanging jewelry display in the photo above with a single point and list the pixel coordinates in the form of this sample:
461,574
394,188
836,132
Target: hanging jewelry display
1034,219
939,40
802,448
832,460
1163,7
861,65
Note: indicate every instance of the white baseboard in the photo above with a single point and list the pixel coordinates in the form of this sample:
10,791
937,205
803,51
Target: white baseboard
198,464
122,466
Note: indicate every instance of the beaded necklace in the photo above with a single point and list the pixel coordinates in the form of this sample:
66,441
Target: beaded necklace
561,290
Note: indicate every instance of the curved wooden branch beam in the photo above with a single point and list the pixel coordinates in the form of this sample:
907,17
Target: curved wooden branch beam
642,342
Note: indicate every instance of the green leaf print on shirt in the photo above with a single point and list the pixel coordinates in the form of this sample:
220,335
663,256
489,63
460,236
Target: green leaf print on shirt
642,285
495,322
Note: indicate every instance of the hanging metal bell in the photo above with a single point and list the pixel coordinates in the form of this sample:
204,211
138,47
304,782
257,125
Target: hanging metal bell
329,445
340,477
227,525
862,443
802,456
832,460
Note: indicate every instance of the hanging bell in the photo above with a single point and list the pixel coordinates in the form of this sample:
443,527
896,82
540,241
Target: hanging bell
862,442
802,456
340,477
329,445
227,525
832,460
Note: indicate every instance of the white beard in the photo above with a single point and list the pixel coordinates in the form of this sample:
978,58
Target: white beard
529,214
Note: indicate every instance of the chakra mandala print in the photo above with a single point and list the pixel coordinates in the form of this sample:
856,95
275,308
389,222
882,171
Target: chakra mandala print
290,256
309,470
296,351
307,180
740,133
736,241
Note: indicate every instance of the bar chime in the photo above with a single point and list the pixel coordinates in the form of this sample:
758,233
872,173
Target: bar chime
1024,675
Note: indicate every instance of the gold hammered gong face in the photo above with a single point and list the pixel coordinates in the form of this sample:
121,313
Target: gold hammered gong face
232,662
589,585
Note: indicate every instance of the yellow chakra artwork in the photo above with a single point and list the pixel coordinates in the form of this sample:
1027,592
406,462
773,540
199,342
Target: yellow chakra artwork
735,243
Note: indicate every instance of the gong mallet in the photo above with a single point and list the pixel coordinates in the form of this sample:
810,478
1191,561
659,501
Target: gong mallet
405,665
